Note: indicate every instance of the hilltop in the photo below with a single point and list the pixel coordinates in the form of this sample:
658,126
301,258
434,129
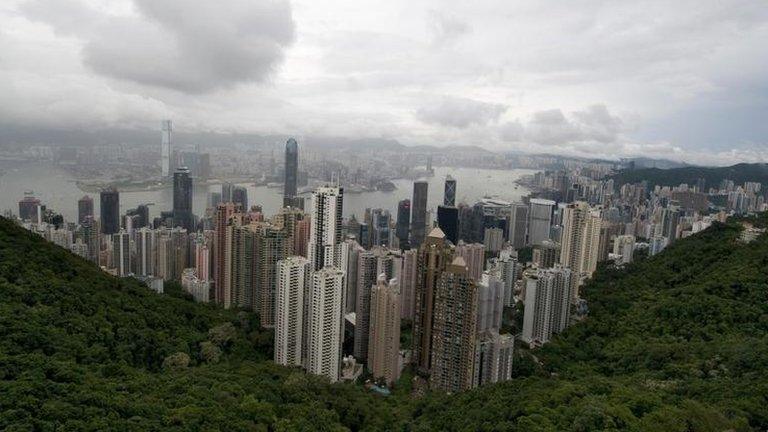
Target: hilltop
739,173
677,342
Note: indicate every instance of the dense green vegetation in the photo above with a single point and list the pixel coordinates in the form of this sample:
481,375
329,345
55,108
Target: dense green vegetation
676,342
739,173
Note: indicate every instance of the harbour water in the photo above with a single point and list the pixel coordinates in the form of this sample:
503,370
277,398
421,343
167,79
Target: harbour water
58,190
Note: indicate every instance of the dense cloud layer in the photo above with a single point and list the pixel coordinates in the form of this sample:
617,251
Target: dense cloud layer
189,47
682,79
459,112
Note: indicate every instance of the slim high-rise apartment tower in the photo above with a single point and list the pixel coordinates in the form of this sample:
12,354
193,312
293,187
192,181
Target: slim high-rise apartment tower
547,304
121,253
324,329
384,335
293,277
325,230
222,251
165,148
454,332
433,256
371,264
580,239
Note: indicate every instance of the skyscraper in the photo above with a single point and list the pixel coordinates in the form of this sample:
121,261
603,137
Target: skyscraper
165,148
145,252
271,247
580,240
419,213
433,256
29,209
448,221
518,225
370,265
182,199
121,253
291,173
110,211
408,282
293,276
454,329
325,229
403,223
547,304
474,257
449,198
84,208
384,337
91,234
222,251
324,329
240,196
540,220
624,245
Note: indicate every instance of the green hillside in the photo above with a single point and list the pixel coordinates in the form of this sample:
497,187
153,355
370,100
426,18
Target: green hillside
739,173
677,342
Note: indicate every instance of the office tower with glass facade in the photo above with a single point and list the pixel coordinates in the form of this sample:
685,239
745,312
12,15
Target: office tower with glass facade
449,197
110,211
84,208
182,199
402,229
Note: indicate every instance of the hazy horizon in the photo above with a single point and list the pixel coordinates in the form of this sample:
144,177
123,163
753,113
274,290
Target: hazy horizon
587,79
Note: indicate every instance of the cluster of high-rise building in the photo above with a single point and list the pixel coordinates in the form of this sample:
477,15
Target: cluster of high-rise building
323,282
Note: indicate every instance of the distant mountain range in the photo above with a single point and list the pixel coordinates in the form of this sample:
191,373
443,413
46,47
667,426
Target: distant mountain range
740,173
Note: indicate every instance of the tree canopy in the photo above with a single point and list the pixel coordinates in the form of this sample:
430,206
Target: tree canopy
675,342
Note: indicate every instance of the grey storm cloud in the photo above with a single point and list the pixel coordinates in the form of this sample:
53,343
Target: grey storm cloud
174,44
459,112
594,125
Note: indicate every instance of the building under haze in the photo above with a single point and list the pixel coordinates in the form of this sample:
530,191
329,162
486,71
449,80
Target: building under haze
30,209
110,210
402,228
419,213
182,200
290,196
165,148
540,222
449,197
84,208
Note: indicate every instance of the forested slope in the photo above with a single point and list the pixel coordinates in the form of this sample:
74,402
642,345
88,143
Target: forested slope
677,342
739,173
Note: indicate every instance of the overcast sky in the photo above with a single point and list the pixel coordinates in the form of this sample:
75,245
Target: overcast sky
685,80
